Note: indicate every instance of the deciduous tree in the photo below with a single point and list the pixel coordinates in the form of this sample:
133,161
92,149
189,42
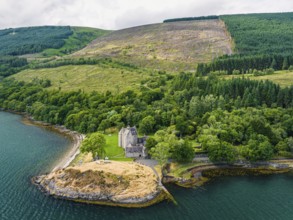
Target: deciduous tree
95,144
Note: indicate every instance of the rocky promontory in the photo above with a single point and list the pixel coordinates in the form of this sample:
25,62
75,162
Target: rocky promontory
105,182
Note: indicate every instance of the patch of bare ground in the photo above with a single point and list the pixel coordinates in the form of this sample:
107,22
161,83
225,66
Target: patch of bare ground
175,45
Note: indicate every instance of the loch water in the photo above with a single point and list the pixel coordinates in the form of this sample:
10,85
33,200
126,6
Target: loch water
26,151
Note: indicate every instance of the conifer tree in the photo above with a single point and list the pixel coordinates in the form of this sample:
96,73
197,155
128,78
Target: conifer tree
273,64
285,64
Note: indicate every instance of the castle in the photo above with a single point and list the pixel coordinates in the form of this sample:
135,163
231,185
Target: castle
133,145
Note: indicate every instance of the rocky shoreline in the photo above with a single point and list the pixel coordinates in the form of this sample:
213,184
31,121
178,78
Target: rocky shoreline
51,189
199,175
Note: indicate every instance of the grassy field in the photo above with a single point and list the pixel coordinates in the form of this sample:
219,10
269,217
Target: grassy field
86,78
283,78
171,46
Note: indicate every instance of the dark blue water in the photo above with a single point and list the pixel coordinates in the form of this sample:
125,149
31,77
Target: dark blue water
26,151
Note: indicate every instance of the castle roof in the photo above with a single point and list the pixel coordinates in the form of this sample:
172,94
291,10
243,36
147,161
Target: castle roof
133,131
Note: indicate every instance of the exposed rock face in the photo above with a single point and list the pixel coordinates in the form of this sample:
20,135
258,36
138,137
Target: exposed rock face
113,183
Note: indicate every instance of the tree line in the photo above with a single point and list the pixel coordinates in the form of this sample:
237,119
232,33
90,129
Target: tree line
52,63
241,64
210,17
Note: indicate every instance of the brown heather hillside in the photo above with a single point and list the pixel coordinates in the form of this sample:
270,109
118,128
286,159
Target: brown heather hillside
170,46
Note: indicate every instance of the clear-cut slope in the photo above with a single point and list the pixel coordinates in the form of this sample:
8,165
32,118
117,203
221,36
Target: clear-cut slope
172,46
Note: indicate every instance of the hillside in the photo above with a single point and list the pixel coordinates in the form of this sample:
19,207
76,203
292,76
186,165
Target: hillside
80,38
20,46
30,40
19,41
170,46
261,41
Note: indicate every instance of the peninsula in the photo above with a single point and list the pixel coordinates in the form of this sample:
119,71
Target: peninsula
125,184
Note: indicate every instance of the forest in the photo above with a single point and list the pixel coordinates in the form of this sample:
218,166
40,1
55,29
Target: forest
228,117
261,41
19,41
48,41
256,34
10,65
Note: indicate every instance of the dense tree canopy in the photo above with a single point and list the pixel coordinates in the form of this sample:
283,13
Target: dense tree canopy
18,41
183,151
262,41
10,65
270,33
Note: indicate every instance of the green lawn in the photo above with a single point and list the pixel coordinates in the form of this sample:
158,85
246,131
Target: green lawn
113,151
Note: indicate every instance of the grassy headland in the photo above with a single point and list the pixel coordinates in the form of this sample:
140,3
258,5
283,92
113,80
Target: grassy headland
112,183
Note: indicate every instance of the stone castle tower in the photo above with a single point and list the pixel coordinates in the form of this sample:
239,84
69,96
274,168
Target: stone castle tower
129,140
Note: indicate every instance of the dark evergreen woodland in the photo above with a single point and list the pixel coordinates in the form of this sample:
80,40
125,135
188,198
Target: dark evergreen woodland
262,41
